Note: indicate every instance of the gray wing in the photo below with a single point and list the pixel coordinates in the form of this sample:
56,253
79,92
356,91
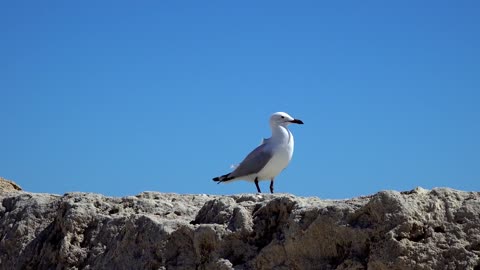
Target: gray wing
254,162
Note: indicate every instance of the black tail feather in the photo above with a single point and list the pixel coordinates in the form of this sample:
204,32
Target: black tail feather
223,178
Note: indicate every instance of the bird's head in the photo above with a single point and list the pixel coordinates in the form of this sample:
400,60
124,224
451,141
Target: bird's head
283,119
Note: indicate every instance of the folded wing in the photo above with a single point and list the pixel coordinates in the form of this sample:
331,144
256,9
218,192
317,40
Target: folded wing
254,162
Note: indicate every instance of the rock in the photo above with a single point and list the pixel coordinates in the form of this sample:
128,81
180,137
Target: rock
8,186
418,229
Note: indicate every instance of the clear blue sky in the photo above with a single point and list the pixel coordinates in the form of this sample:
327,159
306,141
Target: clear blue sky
120,97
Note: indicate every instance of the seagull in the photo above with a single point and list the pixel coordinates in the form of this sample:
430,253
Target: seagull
270,158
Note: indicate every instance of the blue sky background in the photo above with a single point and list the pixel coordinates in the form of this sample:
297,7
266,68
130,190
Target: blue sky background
119,97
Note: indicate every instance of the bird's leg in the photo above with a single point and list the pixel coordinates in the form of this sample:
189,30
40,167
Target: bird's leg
256,184
271,186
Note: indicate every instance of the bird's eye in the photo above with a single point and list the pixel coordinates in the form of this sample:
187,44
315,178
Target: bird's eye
283,117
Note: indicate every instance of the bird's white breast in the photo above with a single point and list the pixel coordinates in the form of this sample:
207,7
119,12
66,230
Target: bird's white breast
282,154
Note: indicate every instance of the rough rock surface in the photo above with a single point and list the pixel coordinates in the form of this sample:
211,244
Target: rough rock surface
419,229
7,185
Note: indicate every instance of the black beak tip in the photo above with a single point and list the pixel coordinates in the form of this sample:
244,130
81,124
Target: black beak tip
297,121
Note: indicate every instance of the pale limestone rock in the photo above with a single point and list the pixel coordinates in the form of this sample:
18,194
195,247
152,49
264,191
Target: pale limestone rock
418,229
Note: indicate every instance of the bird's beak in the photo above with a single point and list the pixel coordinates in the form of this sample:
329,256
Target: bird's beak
297,121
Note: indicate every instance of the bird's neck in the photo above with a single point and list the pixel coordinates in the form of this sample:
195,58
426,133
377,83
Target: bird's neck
281,134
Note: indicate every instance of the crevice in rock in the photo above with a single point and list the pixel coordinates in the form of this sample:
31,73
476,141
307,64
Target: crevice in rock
269,219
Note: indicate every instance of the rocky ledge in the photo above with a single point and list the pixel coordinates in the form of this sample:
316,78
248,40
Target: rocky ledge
418,229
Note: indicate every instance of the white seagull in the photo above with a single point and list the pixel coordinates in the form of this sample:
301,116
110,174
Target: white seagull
267,160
